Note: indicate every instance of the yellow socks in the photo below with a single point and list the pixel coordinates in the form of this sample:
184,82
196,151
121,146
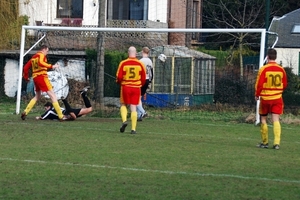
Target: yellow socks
277,132
30,106
58,110
123,111
133,117
133,120
264,133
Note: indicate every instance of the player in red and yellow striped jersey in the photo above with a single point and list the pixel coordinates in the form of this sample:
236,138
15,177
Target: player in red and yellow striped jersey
270,83
38,64
131,75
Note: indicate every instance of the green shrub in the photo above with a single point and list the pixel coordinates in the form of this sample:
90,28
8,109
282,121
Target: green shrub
291,95
111,63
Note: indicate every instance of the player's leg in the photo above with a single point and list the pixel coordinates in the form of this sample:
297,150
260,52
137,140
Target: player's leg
135,98
124,101
45,85
276,130
140,111
55,104
133,117
123,109
31,104
72,112
263,111
88,107
86,100
37,81
67,105
277,110
84,111
264,131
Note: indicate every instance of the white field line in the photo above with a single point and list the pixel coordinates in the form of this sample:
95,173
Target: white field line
153,171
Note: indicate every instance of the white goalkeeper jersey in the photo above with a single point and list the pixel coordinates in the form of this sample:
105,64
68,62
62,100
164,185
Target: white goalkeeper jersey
149,68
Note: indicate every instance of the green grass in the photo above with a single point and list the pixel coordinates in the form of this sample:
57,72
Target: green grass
167,159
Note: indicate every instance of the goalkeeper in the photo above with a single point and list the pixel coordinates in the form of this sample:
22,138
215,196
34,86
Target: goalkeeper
69,112
147,86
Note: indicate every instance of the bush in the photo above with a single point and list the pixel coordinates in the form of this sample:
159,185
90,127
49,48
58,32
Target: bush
230,90
291,95
111,63
112,60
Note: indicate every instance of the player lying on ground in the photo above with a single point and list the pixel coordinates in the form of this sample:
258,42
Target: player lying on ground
50,113
69,112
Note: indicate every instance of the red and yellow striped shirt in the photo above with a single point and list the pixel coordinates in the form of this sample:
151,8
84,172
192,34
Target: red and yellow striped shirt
271,81
38,64
131,72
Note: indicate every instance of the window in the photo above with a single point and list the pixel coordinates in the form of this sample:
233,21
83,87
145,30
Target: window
69,8
296,29
128,9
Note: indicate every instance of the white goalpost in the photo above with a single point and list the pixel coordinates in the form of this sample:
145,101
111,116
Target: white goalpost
120,31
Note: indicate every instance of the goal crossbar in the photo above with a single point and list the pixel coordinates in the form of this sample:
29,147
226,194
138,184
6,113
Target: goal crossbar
97,29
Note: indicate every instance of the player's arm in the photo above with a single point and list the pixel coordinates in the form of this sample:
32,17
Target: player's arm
42,62
45,115
258,85
49,114
284,80
26,68
119,74
152,75
143,75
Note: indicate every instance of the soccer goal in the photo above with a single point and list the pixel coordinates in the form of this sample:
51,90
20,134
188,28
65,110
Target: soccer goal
192,67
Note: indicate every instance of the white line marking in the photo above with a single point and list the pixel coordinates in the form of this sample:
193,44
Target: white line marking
154,171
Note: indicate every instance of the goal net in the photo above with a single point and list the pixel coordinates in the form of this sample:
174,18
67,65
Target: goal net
192,67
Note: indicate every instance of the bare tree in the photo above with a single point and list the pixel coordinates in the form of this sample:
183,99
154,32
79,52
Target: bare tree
234,14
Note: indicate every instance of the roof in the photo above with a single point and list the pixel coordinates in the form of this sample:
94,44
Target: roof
60,53
180,51
283,26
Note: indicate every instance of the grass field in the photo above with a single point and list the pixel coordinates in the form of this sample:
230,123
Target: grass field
166,159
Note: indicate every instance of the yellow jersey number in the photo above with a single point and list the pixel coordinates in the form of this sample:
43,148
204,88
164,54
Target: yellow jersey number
34,63
274,79
132,73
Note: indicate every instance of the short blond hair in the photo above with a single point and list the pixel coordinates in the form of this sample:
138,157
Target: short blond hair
146,50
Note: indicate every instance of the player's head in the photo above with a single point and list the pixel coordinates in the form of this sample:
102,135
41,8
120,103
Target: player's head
132,52
272,54
44,49
48,105
146,50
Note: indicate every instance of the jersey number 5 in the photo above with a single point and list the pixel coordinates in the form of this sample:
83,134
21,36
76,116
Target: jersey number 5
132,73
